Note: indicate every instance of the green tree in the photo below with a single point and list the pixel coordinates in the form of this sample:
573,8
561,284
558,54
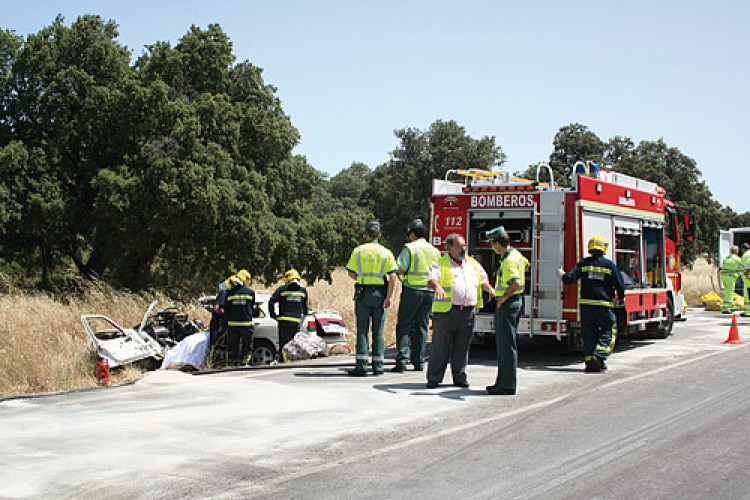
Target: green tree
400,190
166,173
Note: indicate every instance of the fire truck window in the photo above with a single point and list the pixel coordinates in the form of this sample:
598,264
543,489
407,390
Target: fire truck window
654,243
627,256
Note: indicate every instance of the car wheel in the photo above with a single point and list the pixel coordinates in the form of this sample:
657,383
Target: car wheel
263,353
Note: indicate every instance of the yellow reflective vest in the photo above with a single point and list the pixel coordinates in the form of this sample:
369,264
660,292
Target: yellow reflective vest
512,267
371,262
422,256
446,281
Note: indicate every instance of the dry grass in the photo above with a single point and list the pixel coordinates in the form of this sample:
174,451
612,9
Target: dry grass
43,346
699,280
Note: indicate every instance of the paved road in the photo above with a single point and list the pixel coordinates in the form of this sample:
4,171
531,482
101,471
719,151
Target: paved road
669,419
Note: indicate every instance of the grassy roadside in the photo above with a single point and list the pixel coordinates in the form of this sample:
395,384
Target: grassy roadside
43,346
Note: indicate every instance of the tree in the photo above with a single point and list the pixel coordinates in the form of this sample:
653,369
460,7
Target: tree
166,173
402,187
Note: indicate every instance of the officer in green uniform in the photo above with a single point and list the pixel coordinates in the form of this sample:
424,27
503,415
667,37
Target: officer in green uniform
745,261
509,285
414,262
374,268
731,268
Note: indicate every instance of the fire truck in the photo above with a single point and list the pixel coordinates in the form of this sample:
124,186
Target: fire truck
551,225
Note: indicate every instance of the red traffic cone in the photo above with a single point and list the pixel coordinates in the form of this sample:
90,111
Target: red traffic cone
734,335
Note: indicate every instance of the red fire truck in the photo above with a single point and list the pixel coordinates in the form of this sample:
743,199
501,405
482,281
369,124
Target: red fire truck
551,226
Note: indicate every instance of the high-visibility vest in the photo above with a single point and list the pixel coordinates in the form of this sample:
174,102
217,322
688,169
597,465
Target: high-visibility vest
512,266
422,256
731,265
446,281
371,261
745,260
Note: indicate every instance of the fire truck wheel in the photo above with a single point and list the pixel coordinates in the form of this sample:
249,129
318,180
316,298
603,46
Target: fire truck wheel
664,329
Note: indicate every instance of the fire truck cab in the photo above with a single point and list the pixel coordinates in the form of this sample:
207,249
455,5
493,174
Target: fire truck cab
551,225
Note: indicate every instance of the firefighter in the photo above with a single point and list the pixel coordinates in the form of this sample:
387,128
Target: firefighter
240,303
218,325
414,262
374,269
745,261
600,280
731,269
509,286
292,300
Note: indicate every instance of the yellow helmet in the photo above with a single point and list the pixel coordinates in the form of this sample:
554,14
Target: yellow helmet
290,275
245,275
598,242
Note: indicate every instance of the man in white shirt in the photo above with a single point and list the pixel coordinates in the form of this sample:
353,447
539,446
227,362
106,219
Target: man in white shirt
458,281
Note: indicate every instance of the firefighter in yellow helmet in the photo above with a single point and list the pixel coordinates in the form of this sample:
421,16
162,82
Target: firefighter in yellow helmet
600,281
291,298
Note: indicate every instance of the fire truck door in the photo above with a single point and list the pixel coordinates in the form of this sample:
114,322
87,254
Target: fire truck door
596,223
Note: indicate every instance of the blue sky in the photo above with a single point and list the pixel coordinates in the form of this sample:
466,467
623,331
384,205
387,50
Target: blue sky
350,73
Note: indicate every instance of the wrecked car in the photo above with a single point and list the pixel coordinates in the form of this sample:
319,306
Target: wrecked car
327,324
119,345
149,342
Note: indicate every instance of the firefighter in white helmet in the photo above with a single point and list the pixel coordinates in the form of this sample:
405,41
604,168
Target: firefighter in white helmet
292,300
600,281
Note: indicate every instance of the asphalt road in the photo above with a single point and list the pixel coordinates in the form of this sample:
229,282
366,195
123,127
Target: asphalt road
669,419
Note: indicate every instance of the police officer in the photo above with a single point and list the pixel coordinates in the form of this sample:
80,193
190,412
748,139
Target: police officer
731,269
745,261
291,298
240,302
414,262
600,280
510,280
374,269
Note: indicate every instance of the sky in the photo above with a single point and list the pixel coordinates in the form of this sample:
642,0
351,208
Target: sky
350,73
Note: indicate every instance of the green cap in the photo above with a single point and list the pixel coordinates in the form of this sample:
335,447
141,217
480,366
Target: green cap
373,227
415,224
497,233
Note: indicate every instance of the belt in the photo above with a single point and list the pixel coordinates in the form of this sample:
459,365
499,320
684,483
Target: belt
454,307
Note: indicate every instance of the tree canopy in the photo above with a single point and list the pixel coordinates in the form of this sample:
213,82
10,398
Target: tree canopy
172,171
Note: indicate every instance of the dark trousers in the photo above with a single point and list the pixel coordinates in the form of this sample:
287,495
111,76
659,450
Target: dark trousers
411,329
240,343
598,331
287,331
451,340
506,328
369,310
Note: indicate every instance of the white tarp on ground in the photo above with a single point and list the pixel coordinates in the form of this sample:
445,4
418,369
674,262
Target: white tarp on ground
190,353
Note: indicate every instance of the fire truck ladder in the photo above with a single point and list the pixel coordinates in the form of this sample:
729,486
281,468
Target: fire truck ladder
549,236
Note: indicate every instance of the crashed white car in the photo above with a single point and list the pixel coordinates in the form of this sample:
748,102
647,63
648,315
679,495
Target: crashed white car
119,345
329,325
150,341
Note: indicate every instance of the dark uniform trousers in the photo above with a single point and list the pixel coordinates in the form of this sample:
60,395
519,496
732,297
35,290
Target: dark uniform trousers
287,331
369,311
240,343
451,340
506,328
413,316
597,331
